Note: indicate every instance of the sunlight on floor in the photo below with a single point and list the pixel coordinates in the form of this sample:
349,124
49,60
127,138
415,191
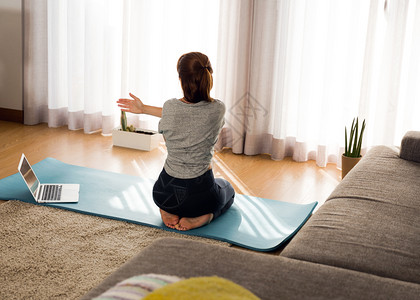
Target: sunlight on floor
230,176
140,170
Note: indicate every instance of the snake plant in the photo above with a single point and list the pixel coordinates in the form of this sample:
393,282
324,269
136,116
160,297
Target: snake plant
353,144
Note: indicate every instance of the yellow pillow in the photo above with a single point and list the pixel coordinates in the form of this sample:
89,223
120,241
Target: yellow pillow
204,288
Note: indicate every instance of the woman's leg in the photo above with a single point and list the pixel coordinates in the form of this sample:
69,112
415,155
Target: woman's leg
169,195
191,203
166,200
225,195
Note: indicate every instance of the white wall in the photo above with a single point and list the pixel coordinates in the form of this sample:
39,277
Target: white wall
11,54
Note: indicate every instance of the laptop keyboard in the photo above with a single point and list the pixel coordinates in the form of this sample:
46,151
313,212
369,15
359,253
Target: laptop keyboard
51,192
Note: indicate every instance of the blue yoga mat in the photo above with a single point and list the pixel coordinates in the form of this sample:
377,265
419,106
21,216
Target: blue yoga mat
255,223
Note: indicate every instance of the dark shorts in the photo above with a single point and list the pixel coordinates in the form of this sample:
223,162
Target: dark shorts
193,197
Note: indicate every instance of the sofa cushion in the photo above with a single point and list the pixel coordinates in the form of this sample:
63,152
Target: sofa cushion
382,176
410,146
209,287
265,275
370,222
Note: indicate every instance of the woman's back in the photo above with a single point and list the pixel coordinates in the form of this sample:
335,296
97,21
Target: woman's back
191,131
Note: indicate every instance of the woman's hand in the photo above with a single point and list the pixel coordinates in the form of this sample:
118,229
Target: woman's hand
134,105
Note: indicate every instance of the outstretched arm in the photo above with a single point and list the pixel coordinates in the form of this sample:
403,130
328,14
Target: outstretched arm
136,106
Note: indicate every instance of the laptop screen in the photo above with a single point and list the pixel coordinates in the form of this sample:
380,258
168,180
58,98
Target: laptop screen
28,175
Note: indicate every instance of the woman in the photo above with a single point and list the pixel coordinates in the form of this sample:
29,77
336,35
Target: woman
186,191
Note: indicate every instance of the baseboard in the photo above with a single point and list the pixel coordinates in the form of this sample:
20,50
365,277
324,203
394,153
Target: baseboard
11,115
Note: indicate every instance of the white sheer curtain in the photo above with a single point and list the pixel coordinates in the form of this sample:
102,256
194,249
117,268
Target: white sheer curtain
99,50
292,73
296,72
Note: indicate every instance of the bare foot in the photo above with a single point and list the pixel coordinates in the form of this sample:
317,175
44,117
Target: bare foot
170,220
191,223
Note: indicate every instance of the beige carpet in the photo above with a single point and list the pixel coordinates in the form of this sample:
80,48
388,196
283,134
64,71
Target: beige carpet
48,253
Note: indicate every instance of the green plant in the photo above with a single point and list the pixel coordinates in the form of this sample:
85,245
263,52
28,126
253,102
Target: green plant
124,126
353,144
123,121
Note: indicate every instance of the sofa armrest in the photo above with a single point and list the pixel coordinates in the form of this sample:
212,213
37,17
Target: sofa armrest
410,146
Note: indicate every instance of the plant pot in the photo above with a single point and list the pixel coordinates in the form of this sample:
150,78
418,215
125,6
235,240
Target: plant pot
145,140
347,163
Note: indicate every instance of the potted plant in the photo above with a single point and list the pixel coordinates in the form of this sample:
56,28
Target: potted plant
352,147
130,137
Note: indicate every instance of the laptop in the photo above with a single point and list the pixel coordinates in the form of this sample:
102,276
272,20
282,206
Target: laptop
47,193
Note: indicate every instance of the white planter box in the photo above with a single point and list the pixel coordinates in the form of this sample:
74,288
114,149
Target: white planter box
135,140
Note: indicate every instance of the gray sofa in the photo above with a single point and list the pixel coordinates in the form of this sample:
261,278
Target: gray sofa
363,243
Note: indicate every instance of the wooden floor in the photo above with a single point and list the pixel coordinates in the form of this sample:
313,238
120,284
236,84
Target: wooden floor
258,175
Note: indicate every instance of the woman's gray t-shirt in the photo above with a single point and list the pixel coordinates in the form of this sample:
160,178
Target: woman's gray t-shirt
190,131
